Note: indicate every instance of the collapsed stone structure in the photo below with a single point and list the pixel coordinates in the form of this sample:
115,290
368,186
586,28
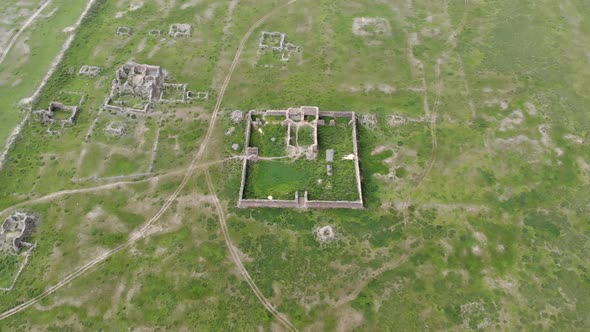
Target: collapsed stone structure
282,45
15,230
139,80
91,71
123,31
180,30
116,128
47,116
293,117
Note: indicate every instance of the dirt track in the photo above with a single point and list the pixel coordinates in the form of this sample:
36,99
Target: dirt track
138,235
23,27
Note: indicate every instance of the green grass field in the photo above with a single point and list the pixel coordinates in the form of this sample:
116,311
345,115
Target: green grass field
475,171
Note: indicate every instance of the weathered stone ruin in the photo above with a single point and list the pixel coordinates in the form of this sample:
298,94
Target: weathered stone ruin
47,116
265,43
91,71
180,30
237,116
295,117
277,41
325,234
368,120
199,95
14,232
180,88
123,31
116,129
135,80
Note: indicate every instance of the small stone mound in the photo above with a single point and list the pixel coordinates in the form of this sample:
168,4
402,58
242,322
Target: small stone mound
369,120
325,234
237,116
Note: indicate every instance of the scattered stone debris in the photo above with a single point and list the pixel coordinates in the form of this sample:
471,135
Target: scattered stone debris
144,82
332,123
155,32
200,95
235,146
237,116
325,234
370,26
180,30
15,230
124,31
230,131
91,71
273,139
368,120
397,120
117,129
329,170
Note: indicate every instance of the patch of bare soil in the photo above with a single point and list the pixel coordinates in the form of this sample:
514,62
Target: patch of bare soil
349,319
115,300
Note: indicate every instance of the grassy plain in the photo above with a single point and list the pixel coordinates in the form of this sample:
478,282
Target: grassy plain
477,206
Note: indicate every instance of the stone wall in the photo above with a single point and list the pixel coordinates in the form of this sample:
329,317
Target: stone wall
301,202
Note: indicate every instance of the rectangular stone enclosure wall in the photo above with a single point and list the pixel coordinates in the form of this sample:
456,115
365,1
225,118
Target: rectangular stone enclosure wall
300,201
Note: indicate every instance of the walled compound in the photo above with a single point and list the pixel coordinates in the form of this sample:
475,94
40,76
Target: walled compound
294,118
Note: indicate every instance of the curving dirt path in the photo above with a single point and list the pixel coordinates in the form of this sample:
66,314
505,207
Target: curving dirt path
236,258
138,235
23,27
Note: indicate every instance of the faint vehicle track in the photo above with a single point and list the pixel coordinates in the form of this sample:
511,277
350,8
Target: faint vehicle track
138,235
23,27
236,258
